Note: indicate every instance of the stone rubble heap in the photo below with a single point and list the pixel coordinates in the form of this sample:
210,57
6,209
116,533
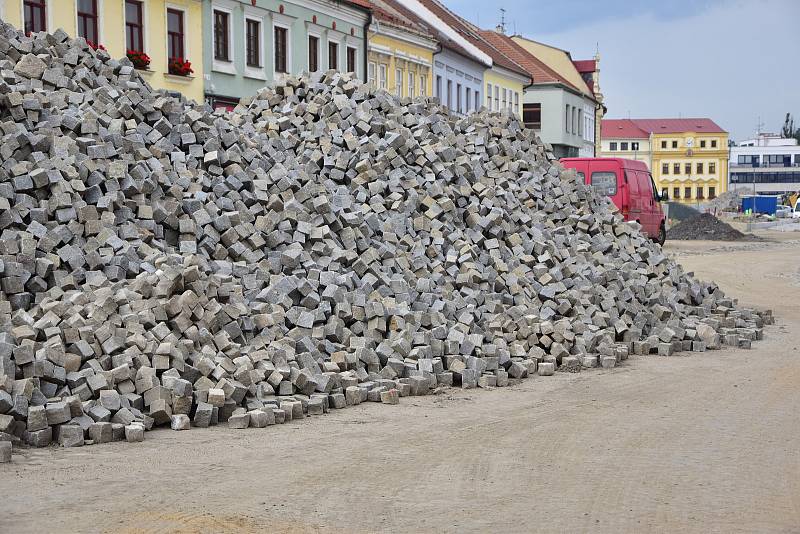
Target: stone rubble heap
320,246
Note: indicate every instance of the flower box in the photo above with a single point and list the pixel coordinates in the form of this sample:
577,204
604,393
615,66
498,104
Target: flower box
180,66
140,60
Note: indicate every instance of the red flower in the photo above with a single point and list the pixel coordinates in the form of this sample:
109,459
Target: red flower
95,46
180,66
139,59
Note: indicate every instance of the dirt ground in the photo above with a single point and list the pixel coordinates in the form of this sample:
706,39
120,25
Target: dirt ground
704,443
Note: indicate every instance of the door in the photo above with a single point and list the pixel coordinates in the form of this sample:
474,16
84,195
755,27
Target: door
636,206
654,213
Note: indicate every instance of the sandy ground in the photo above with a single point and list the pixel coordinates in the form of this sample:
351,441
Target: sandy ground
703,443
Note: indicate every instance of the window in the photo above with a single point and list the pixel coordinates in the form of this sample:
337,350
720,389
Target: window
712,192
497,98
699,168
352,55
398,82
175,34
450,94
664,192
134,26
221,36
439,88
634,146
458,98
372,68
489,96
505,98
313,53
700,192
468,98
580,123
623,145
687,168
333,55
516,102
702,143
778,160
676,168
713,144
674,144
383,73
665,168
566,120
35,12
605,183
687,192
574,119
712,168
253,42
676,192
281,49
478,101
753,161
612,146
411,85
663,144
87,20
423,85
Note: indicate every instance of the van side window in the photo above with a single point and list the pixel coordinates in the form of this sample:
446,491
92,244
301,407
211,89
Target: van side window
605,183
581,176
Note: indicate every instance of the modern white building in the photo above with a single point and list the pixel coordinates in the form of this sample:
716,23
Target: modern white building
767,164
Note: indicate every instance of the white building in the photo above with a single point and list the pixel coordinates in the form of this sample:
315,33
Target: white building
768,164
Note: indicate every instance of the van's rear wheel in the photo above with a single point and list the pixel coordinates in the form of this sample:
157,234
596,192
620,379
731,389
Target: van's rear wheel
662,234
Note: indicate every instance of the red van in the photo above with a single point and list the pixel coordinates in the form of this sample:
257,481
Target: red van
631,188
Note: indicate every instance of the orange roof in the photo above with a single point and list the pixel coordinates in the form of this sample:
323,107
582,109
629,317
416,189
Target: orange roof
642,128
540,72
474,35
394,14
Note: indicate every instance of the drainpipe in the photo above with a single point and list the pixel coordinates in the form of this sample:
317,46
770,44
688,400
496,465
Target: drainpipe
366,45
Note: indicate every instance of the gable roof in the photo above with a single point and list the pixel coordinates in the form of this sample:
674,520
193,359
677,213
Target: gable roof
558,60
474,35
584,65
700,125
643,128
537,69
392,13
621,129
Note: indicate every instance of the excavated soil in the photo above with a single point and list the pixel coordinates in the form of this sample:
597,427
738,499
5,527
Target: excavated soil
706,226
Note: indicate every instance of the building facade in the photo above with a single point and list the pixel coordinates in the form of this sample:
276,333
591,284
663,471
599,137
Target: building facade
399,51
688,158
503,79
768,164
250,43
458,65
621,138
561,113
159,29
576,134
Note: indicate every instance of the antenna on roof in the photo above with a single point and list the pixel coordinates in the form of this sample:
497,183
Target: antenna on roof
501,28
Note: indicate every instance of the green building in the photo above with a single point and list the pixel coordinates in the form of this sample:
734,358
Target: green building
248,43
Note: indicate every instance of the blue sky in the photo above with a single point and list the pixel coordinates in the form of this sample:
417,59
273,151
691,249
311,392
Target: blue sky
731,60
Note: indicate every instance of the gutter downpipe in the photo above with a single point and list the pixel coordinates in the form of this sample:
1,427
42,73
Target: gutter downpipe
366,46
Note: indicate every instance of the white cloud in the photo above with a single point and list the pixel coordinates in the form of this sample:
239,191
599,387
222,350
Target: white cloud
732,63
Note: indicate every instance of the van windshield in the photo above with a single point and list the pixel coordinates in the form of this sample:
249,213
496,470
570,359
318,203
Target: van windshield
605,183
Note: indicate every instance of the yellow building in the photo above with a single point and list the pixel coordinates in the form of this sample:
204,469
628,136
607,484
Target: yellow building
400,52
159,28
688,158
505,81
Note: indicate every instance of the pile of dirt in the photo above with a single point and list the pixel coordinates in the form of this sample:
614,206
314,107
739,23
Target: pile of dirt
706,226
